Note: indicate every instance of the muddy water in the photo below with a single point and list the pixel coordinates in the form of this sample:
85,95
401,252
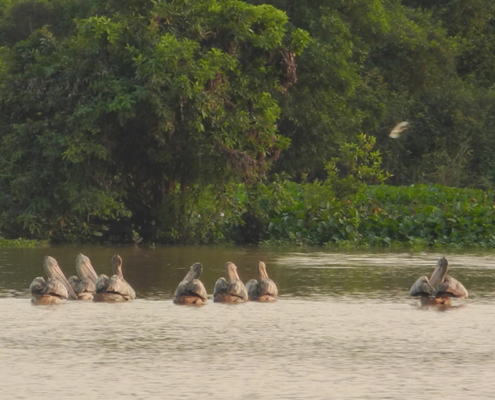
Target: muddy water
343,328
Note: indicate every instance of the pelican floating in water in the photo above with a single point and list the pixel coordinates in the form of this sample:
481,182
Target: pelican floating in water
55,290
231,290
115,288
439,288
191,290
84,284
265,289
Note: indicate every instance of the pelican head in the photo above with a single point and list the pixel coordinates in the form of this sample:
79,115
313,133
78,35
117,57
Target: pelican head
73,280
84,268
117,265
53,271
37,285
232,272
262,274
194,272
438,275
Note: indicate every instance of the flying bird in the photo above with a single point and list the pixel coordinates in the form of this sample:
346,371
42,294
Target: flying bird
398,129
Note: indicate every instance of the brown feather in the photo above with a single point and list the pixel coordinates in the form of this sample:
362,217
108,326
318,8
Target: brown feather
191,286
451,287
116,287
231,291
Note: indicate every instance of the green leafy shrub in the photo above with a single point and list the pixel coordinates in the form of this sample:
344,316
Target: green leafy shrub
21,243
358,163
422,215
285,212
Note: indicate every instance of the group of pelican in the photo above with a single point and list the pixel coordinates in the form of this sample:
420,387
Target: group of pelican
438,289
231,290
88,286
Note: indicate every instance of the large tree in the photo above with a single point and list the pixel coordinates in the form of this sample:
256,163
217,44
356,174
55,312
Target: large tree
101,126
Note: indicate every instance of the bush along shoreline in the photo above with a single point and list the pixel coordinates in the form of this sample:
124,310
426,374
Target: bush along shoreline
351,208
386,216
26,243
308,214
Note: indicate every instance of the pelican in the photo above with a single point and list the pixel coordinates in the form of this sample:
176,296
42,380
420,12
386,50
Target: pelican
84,283
231,291
265,289
439,288
191,290
115,288
55,290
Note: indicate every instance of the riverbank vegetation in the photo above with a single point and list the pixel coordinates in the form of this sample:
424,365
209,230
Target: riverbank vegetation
25,243
208,121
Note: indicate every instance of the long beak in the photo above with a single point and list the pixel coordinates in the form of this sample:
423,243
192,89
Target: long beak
53,271
84,268
262,274
438,275
117,265
194,272
232,272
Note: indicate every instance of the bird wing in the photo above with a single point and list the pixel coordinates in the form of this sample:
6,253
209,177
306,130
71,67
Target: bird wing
422,287
86,285
268,287
82,285
252,289
37,285
397,129
118,285
451,287
56,288
238,289
221,286
193,288
101,283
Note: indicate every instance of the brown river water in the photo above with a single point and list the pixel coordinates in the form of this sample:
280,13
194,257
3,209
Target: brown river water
344,327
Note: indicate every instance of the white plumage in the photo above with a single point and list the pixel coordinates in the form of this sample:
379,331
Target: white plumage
398,129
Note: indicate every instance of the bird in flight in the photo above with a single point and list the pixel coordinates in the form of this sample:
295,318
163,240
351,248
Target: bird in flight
398,129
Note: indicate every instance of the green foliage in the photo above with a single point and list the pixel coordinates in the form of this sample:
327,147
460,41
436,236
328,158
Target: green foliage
427,215
357,164
285,212
142,120
351,207
415,216
20,19
133,106
471,22
372,64
22,243
203,215
449,140
319,111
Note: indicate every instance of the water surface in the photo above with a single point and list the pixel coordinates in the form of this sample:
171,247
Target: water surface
343,328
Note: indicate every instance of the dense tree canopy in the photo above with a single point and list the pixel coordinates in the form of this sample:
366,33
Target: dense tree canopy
106,121
372,64
117,118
